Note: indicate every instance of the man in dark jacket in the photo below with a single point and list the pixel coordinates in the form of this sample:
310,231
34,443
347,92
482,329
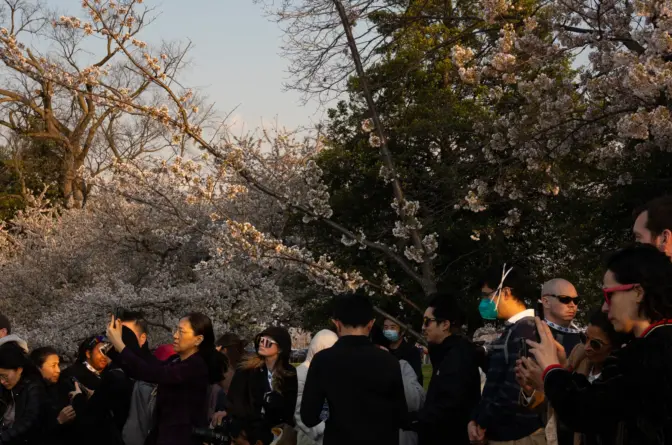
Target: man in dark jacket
500,417
361,383
455,388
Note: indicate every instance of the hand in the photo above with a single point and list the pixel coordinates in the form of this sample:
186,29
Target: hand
546,352
217,418
114,331
528,375
77,391
476,433
66,415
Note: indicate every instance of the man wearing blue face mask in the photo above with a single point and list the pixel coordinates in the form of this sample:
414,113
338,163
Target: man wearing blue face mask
401,348
500,417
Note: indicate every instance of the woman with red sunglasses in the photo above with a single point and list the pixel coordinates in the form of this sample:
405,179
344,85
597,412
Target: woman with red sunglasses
633,394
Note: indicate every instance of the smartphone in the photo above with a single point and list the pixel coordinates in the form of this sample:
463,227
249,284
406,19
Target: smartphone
524,348
118,311
538,312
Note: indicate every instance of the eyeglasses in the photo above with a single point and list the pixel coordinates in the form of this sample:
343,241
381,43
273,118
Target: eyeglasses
611,290
594,343
565,299
267,342
426,321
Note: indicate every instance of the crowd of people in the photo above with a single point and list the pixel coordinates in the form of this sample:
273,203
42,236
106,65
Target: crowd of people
547,380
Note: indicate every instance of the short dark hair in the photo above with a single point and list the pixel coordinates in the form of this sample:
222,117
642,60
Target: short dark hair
659,214
137,317
86,346
601,320
645,265
446,308
517,280
5,324
235,347
354,310
39,355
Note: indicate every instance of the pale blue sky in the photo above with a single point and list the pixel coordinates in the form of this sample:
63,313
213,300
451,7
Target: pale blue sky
235,59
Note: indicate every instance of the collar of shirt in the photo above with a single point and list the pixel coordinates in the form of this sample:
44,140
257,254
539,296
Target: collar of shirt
520,315
572,329
91,368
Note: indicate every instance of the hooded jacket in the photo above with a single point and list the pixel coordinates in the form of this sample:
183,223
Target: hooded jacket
250,394
311,436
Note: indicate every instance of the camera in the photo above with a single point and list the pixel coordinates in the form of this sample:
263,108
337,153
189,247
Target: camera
220,435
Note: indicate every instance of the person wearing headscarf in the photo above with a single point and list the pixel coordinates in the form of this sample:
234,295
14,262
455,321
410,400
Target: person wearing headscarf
311,436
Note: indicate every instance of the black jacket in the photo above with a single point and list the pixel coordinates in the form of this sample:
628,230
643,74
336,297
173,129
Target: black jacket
56,400
406,351
631,397
365,392
454,392
249,388
105,413
29,398
81,373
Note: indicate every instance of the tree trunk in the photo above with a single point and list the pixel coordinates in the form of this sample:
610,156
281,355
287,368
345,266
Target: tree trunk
72,182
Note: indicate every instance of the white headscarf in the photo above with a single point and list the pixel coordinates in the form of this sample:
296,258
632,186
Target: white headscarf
324,339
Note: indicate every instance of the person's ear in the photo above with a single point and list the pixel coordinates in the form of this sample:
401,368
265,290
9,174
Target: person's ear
506,293
546,302
88,354
369,325
199,340
640,295
445,325
143,339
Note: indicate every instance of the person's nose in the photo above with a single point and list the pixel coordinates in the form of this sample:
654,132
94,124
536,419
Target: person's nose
605,307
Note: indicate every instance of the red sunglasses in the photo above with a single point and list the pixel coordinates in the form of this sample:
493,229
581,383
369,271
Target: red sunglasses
610,290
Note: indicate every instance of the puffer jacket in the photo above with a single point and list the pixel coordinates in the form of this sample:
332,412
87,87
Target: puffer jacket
30,416
305,435
632,395
415,399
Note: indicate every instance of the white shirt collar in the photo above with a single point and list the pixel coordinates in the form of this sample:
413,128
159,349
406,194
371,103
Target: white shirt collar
520,315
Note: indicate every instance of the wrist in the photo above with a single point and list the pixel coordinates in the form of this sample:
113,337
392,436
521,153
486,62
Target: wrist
550,368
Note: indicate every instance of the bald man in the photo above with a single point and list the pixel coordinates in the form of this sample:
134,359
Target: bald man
561,303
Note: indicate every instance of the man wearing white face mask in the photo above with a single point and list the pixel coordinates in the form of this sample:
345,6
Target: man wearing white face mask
401,348
499,417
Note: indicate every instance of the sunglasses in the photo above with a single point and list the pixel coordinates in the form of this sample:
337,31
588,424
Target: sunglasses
267,342
566,299
611,290
594,343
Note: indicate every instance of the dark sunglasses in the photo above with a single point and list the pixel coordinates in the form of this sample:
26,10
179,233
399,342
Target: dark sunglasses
594,343
566,299
611,290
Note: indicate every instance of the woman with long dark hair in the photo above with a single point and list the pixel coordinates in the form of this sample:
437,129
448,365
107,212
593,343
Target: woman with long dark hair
265,385
181,402
632,395
23,402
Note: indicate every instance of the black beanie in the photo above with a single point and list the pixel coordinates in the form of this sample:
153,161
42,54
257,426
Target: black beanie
282,337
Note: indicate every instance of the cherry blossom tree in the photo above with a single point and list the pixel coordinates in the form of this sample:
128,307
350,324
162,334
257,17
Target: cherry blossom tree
53,86
141,244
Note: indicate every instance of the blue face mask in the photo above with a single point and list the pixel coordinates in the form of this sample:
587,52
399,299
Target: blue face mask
488,309
391,335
